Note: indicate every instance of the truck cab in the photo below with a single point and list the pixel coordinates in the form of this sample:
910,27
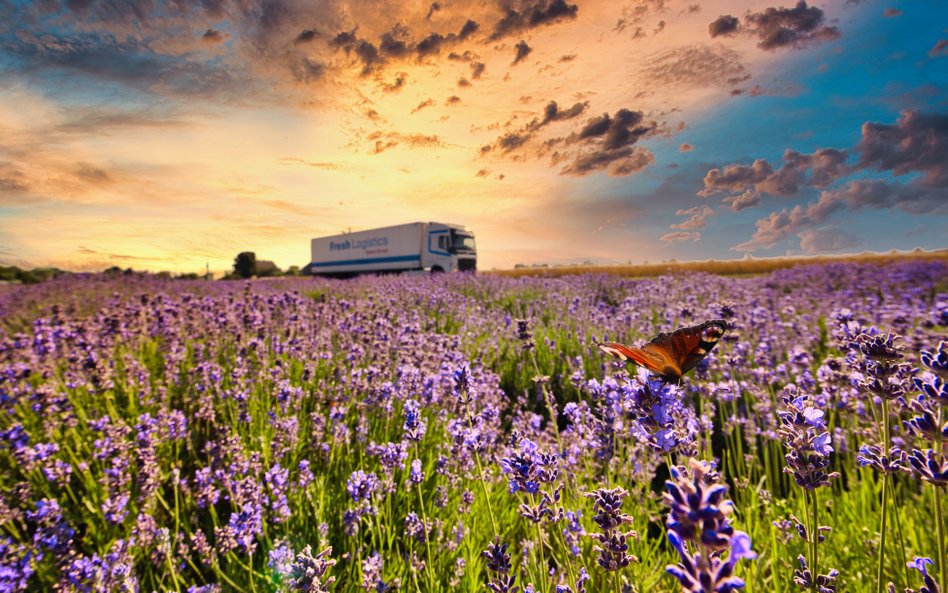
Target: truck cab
449,248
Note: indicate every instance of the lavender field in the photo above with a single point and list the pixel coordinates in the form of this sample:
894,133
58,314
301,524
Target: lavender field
464,433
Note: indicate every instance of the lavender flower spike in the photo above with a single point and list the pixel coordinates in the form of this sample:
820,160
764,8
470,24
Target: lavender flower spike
307,573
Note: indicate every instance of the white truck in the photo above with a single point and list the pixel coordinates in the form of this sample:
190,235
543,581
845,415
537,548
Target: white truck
419,246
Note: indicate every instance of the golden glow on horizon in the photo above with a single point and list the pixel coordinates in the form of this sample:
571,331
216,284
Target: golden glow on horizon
267,173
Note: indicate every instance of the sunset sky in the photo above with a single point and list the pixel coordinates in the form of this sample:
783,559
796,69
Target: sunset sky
170,135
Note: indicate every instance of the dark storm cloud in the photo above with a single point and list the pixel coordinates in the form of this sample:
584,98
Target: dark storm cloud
469,28
781,27
724,25
607,142
430,45
798,27
532,14
551,113
523,50
623,129
392,46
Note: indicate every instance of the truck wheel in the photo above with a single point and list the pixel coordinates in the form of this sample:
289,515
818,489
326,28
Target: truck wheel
437,270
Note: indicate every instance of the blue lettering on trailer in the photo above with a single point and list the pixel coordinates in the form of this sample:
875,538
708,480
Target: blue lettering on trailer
359,244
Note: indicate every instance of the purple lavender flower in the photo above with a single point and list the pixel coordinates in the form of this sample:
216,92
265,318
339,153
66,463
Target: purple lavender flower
361,485
416,475
414,425
807,441
937,360
825,583
613,545
308,572
498,562
699,514
920,564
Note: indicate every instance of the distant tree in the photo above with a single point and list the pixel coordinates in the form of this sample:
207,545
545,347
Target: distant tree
245,265
293,271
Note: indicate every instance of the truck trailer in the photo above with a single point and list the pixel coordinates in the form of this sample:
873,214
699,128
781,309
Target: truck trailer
419,246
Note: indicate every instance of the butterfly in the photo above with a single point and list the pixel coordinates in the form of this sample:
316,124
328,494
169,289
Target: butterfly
672,355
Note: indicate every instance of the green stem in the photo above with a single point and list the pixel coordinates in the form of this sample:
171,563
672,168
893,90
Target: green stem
814,539
940,536
777,582
424,519
482,479
541,560
880,582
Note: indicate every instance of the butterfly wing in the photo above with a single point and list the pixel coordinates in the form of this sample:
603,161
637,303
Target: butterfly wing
641,356
697,341
672,355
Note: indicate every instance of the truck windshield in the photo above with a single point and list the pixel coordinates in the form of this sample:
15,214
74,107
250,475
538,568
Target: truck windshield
462,242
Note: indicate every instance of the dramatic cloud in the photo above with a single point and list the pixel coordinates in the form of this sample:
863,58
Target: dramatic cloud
917,142
724,25
855,196
523,50
819,169
551,113
776,28
393,45
914,146
607,142
532,14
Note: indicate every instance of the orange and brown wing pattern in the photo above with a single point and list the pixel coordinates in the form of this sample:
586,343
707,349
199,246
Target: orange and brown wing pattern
703,337
637,355
672,355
